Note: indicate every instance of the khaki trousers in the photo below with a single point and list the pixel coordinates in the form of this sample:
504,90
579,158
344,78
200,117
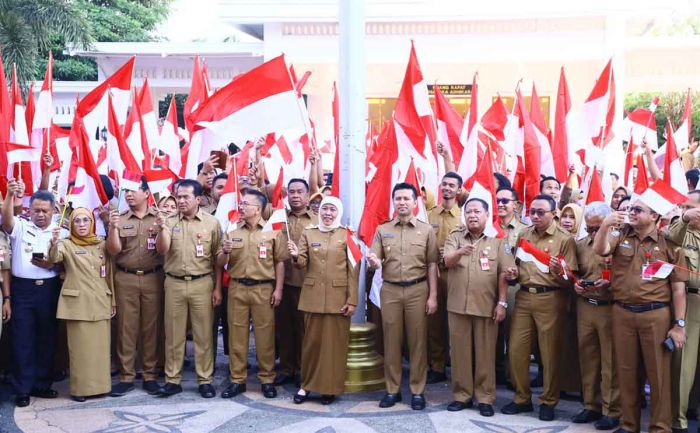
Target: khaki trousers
290,331
245,302
193,298
437,328
538,316
600,389
140,316
685,362
473,355
404,308
638,339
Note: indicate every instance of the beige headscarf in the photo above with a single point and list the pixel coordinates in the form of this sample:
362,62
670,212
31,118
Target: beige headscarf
91,238
335,201
578,215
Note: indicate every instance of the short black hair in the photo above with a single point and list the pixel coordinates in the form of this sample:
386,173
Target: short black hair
455,176
43,195
692,176
144,184
262,198
300,180
547,198
196,186
625,198
107,186
615,176
512,191
502,181
403,185
483,203
545,179
219,176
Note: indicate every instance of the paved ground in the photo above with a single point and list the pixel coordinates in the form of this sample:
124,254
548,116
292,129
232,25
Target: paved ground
187,412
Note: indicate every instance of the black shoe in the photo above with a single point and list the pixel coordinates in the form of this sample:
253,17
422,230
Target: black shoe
417,402
121,388
621,430
169,389
269,390
546,412
44,393
435,377
151,386
300,398
586,416
485,409
78,398
513,408
207,391
457,405
327,399
606,423
281,379
233,390
22,400
390,399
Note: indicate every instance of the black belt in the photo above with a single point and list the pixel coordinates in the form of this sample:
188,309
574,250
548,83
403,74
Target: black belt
538,290
139,272
642,308
597,302
36,282
693,290
252,282
187,277
407,283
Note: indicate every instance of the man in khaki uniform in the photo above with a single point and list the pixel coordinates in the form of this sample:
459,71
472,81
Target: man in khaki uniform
406,250
138,278
5,267
443,218
256,269
540,309
642,317
189,242
685,361
476,303
600,390
507,202
291,320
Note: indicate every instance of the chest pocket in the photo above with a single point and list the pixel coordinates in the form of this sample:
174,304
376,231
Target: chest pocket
128,233
388,241
691,256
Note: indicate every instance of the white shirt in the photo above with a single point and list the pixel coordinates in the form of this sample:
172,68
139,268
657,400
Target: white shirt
26,238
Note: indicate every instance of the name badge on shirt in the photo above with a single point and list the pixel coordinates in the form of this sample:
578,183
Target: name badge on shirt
199,252
80,252
103,271
176,229
151,243
262,251
644,268
484,262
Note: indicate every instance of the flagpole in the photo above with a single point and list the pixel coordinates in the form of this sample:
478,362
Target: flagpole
65,206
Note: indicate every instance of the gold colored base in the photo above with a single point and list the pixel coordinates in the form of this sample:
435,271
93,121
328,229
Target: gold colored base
365,368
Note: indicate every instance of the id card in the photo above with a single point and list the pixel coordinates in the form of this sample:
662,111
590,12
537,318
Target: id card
103,271
200,250
645,278
262,251
151,243
484,262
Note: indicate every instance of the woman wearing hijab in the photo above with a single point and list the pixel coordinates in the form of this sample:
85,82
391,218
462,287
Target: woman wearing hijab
619,193
570,218
86,304
328,299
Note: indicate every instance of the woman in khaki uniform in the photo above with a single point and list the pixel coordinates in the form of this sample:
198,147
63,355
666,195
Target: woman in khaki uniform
328,299
86,304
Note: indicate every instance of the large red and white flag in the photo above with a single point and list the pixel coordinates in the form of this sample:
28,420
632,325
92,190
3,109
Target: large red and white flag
134,137
197,95
412,178
682,135
469,137
87,190
449,126
527,252
120,160
484,188
527,178
674,174
170,138
641,123
149,117
43,114
641,183
277,221
17,153
228,211
354,251
662,197
599,109
560,135
542,134
594,191
18,119
159,180
630,160
261,101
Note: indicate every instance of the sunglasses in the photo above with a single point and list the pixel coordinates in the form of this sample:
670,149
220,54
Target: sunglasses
504,200
636,209
538,212
592,229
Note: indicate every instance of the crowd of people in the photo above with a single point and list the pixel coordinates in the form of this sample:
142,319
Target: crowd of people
595,321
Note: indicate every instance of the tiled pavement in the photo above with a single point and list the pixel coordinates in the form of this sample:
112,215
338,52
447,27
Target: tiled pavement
188,413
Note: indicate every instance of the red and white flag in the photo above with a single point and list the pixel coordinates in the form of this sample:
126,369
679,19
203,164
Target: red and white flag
354,251
683,135
662,197
527,178
469,137
197,95
529,253
277,221
170,138
17,153
630,156
484,188
87,190
560,135
674,174
641,123
599,108
641,183
228,211
43,114
542,133
657,269
449,126
159,180
595,187
149,117
120,160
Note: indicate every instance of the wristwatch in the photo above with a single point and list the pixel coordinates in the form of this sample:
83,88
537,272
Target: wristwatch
679,322
6,298
503,304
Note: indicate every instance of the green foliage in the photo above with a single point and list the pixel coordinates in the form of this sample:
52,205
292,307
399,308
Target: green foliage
124,20
179,105
671,105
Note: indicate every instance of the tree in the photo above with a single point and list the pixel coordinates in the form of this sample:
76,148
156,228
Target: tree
671,106
27,28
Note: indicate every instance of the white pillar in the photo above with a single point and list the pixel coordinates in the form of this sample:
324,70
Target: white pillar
353,121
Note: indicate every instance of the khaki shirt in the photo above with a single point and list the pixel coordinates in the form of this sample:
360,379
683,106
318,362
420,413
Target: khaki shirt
591,266
691,246
556,242
134,233
629,253
330,281
185,234
405,250
5,253
244,261
443,222
472,289
209,207
293,276
512,230
86,294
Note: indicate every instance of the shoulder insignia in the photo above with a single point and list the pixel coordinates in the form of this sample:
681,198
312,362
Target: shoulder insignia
311,226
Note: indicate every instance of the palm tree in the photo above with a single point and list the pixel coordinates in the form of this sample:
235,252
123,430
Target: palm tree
26,27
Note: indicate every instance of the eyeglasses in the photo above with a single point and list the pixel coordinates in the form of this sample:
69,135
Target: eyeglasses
81,221
504,200
592,229
637,209
538,212
246,204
